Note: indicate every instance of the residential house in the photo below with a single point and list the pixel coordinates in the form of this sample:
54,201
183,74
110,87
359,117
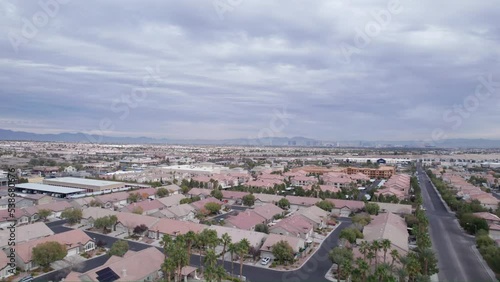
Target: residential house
298,244
147,207
200,192
297,201
184,212
173,189
25,233
19,202
56,207
200,205
255,238
127,222
268,211
245,220
5,269
21,215
172,200
75,241
90,214
388,226
344,208
110,201
304,180
261,199
395,208
233,197
489,217
170,227
126,268
315,215
294,226
145,193
38,199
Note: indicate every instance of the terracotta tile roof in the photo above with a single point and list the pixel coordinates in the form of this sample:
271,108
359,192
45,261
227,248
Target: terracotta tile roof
70,239
268,211
295,225
302,201
488,216
146,205
112,197
388,226
172,200
245,220
295,242
200,205
176,227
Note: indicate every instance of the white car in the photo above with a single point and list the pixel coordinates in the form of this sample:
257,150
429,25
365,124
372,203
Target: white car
265,260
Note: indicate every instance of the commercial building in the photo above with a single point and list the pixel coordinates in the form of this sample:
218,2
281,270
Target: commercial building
54,191
89,185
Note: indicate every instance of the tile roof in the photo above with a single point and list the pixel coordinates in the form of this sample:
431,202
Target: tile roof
295,242
268,211
176,227
245,220
70,239
295,225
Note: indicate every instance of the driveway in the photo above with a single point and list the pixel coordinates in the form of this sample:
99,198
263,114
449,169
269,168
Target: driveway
313,270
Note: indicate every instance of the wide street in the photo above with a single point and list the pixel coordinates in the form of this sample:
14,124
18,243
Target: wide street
313,270
454,249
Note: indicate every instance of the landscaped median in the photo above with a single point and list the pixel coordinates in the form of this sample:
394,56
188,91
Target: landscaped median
465,212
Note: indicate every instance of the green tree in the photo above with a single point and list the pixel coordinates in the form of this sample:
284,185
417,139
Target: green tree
243,248
72,215
212,208
119,248
106,222
283,252
341,257
162,192
232,249
216,193
46,253
351,234
386,245
361,219
44,213
262,228
372,208
325,205
284,203
226,241
134,197
138,210
249,200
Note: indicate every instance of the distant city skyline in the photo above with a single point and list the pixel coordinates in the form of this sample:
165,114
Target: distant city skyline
327,70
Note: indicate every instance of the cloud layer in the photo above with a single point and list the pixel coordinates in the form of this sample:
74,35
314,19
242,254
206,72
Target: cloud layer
332,70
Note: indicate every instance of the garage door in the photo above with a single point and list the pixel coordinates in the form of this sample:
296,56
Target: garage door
73,252
345,212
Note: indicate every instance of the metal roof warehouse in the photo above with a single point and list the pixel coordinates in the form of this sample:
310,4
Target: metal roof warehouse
56,191
90,185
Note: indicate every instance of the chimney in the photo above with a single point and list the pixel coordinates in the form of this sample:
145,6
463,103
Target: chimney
124,273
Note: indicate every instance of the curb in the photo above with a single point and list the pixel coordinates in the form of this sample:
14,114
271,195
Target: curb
310,256
484,263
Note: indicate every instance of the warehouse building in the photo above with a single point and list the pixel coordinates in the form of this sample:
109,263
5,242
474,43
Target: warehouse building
89,185
53,191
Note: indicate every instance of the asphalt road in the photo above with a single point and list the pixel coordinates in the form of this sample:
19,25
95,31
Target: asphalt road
454,249
313,270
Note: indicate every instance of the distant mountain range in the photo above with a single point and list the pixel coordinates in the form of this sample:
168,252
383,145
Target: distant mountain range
275,141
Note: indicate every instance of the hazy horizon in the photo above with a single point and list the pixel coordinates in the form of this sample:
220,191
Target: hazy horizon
328,70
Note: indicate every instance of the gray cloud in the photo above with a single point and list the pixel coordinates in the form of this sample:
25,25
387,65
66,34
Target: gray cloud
225,78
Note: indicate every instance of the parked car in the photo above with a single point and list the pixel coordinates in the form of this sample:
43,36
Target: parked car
265,260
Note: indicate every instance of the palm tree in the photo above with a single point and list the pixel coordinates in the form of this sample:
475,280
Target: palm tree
383,272
385,244
343,258
243,248
232,248
168,268
190,238
425,256
220,273
370,256
165,242
363,267
201,242
226,240
376,247
363,248
394,256
210,260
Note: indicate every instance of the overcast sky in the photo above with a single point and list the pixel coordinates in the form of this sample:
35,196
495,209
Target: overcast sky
331,70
